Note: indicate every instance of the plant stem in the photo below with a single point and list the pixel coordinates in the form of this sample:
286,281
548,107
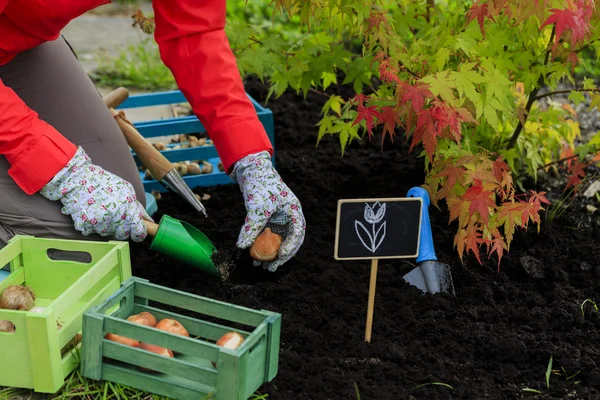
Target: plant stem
532,96
560,161
541,96
430,6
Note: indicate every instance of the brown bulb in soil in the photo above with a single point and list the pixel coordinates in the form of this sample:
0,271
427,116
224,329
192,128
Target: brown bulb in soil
266,246
194,169
7,326
17,297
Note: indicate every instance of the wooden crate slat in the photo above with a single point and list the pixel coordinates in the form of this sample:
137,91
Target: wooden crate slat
156,362
213,308
177,343
204,329
163,385
34,350
237,375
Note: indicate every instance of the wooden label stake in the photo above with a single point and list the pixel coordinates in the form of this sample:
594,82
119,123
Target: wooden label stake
374,229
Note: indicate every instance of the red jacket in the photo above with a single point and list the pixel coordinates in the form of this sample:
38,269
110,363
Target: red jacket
192,44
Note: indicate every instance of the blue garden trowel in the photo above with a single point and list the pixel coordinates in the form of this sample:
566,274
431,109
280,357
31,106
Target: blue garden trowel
430,276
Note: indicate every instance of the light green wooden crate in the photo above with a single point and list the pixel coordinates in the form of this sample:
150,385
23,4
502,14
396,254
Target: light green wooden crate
190,374
31,356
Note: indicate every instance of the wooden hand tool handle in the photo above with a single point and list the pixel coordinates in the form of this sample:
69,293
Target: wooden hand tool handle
151,227
115,98
158,164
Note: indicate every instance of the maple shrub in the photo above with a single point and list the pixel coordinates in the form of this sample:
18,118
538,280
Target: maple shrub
461,79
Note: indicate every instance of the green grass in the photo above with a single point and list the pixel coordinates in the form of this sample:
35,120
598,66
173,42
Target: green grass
137,67
78,387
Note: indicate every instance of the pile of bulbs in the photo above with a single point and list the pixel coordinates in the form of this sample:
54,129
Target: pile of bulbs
185,167
17,297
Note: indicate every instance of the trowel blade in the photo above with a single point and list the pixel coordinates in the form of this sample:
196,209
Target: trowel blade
431,277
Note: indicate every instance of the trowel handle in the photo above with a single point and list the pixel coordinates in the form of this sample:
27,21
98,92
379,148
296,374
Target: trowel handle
151,227
115,98
158,164
426,248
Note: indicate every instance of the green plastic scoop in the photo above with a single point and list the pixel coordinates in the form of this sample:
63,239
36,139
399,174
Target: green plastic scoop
180,240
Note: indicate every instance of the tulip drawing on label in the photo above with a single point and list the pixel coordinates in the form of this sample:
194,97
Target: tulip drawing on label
372,238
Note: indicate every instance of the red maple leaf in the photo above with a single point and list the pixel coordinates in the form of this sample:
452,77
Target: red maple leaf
498,247
425,131
447,120
573,59
367,114
478,11
481,200
453,174
360,99
499,168
534,205
568,155
472,239
390,118
596,158
577,174
376,19
416,94
575,20
387,72
510,216
538,198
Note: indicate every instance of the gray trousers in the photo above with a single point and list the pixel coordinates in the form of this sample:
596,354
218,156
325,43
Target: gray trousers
50,80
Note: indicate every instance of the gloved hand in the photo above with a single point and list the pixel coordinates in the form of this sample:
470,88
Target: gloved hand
97,200
269,202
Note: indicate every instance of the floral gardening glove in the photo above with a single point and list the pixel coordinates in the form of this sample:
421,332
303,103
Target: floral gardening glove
269,203
97,200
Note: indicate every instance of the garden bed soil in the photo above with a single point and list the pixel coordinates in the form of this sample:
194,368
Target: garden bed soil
491,341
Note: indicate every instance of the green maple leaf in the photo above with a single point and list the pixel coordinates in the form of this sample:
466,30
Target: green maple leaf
577,97
346,131
441,84
588,83
334,103
328,79
465,81
595,140
325,126
467,44
441,58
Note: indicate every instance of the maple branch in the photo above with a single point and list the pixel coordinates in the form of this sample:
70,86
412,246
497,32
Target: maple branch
430,6
560,161
541,96
532,96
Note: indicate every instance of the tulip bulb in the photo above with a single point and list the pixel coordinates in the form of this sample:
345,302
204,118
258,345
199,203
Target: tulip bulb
266,246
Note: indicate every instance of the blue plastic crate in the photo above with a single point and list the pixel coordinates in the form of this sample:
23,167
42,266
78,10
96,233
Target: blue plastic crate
186,125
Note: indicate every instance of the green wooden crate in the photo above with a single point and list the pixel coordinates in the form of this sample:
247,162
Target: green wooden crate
190,374
66,289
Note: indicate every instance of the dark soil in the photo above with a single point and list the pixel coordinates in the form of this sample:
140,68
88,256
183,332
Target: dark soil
491,341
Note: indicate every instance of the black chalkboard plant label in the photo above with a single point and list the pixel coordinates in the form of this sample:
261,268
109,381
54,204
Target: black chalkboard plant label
373,229
378,228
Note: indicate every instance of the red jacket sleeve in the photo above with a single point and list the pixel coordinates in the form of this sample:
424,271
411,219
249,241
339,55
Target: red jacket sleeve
33,148
193,45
